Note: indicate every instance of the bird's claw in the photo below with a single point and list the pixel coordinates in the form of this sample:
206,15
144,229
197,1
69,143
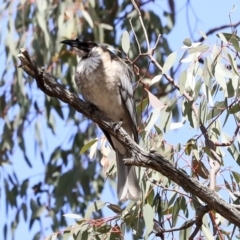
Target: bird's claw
117,125
128,161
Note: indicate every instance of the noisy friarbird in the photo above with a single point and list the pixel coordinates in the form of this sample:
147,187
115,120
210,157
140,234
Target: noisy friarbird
103,79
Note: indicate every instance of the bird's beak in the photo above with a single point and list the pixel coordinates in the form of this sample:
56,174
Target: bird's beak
70,42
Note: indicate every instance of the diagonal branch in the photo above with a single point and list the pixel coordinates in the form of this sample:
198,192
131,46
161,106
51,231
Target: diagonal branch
49,85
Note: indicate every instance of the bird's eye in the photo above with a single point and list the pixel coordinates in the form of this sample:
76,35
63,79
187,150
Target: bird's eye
91,44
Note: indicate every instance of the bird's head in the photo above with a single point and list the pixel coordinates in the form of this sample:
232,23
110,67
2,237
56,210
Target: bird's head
83,49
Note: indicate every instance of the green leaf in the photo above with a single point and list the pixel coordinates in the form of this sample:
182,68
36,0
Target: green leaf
235,43
51,123
187,42
171,105
185,233
150,197
87,146
222,70
232,149
87,17
221,80
96,206
218,108
33,205
148,215
222,37
156,79
72,215
236,175
41,20
115,236
53,236
5,231
66,233
125,42
37,213
142,105
104,229
228,36
207,232
24,187
198,49
183,78
197,89
114,208
203,111
233,64
227,185
57,107
24,209
106,26
230,90
166,118
203,34
176,209
170,61
235,109
37,236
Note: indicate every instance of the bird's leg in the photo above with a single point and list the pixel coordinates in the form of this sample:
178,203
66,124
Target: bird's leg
117,125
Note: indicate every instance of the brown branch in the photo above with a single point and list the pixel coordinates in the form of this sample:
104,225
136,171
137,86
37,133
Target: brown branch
230,142
197,221
213,30
141,21
215,166
49,85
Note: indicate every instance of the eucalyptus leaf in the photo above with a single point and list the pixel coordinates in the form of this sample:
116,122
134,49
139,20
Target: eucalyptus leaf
125,42
87,17
170,61
148,215
87,146
187,42
96,206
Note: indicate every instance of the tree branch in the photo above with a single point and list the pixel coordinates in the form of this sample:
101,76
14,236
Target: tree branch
49,85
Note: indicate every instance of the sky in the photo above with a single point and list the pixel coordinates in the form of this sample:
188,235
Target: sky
203,15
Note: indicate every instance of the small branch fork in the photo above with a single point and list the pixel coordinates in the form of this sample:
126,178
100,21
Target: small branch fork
197,221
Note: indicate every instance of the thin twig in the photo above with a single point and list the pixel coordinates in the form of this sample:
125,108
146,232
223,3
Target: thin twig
135,36
197,221
213,30
143,26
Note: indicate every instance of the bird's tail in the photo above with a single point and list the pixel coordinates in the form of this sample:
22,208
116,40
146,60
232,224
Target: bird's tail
128,186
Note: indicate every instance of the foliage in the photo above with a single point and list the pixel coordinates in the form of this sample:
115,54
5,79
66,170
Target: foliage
56,141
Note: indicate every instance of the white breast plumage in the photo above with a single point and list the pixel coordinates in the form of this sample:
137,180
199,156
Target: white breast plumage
89,64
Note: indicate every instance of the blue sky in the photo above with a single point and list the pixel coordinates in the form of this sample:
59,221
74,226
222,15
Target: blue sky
204,16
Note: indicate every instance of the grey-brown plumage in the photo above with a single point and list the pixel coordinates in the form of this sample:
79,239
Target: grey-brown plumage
104,80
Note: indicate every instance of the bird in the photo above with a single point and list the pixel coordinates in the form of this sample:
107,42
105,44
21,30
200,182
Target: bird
103,79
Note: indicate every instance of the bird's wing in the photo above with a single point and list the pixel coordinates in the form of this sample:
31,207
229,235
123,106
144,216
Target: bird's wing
126,92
